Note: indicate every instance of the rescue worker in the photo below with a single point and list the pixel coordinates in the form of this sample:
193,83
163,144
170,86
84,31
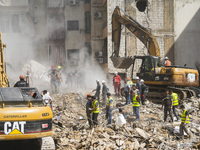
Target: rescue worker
47,99
95,109
53,75
167,102
138,85
98,89
88,110
185,120
59,75
136,105
127,90
109,108
21,83
167,61
144,91
116,83
104,92
175,98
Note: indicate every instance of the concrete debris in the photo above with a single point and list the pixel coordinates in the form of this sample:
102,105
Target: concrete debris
71,129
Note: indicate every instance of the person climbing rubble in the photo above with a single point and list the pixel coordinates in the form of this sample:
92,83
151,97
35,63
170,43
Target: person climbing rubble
21,82
116,83
144,91
53,75
88,110
95,109
121,110
47,99
175,98
127,90
98,89
136,105
104,92
109,108
167,102
185,120
167,62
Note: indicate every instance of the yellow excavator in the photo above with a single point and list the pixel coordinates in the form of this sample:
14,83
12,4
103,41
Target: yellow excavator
183,80
23,116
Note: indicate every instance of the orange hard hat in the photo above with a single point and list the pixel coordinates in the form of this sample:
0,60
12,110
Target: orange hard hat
128,79
88,94
22,77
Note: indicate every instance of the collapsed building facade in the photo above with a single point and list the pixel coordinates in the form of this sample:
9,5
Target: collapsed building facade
69,32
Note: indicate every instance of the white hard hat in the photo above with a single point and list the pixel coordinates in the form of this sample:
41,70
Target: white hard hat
166,58
141,80
137,78
103,81
97,80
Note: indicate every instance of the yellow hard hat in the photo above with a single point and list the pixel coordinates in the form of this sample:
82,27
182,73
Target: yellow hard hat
59,67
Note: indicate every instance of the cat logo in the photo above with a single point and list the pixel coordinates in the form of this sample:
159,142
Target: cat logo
14,127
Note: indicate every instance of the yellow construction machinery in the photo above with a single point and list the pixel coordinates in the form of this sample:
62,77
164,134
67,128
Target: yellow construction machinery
23,115
182,80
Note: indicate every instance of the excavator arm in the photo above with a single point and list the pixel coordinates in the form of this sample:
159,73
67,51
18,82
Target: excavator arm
134,27
3,75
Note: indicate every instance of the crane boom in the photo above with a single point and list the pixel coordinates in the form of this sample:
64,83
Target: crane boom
140,32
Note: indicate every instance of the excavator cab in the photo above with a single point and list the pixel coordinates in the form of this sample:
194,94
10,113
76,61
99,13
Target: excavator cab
147,67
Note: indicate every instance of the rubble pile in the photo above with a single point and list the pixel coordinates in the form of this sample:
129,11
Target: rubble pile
70,127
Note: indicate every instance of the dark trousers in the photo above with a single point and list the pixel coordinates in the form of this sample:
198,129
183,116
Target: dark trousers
166,110
143,98
94,118
174,111
109,115
89,116
97,95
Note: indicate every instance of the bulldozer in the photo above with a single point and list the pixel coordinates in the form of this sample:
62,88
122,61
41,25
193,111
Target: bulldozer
23,116
182,80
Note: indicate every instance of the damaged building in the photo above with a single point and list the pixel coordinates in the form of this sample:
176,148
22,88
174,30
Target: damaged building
68,32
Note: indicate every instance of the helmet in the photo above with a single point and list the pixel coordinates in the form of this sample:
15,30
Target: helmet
52,66
59,67
88,94
21,77
137,78
141,80
116,73
166,58
103,81
97,80
127,78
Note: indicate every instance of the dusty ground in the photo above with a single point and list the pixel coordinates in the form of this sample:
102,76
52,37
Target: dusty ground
70,127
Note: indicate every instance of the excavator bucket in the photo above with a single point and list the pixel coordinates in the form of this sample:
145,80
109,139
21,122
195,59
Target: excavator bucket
122,62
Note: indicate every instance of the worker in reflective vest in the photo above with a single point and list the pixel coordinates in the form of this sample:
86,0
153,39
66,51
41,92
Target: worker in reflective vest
95,109
175,102
136,105
185,120
109,108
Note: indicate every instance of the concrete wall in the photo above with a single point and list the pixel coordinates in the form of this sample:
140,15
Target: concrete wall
158,18
187,32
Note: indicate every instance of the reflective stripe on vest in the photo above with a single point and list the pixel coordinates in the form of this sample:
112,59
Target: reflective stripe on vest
108,101
135,102
183,116
175,99
130,83
94,105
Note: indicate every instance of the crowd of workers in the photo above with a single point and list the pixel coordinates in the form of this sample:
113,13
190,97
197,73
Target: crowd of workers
135,94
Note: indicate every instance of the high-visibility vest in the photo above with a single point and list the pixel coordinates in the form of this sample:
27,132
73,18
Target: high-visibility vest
108,101
183,116
175,99
130,83
135,102
94,105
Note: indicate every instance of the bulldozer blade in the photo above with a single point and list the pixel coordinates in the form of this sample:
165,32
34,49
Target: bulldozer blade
121,62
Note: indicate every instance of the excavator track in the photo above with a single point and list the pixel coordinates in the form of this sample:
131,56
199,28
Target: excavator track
158,93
